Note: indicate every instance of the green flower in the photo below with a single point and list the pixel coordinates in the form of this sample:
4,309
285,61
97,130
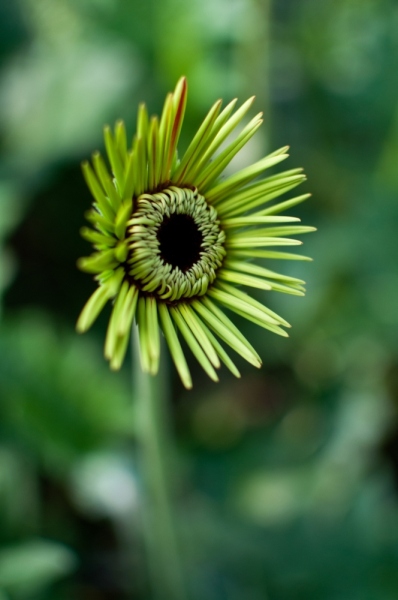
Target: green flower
174,242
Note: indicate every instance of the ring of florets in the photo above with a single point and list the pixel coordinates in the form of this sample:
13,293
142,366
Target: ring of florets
175,244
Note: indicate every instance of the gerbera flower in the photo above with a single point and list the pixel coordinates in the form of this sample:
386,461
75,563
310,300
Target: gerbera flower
174,242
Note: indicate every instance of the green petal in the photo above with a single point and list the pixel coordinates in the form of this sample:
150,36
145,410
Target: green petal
258,194
282,206
98,262
106,181
245,241
119,328
114,158
99,221
226,330
142,121
112,334
123,328
247,267
119,352
142,323
97,192
121,251
196,326
222,129
279,231
140,173
121,140
269,254
128,311
200,141
193,344
255,220
260,283
243,279
240,294
221,352
231,301
165,127
92,309
153,154
128,188
97,238
247,311
179,104
122,217
153,334
176,351
205,178
241,178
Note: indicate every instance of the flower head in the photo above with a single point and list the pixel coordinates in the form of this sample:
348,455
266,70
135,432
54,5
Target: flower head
174,242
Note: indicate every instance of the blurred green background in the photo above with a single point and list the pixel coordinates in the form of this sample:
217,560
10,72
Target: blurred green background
290,475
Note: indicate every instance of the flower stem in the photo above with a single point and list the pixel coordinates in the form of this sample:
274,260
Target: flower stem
156,457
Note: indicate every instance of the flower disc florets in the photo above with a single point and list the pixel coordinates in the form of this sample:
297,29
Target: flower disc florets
175,244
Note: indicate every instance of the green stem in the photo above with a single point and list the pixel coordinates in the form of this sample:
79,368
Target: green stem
154,436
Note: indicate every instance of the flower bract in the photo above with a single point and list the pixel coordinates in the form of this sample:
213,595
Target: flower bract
176,244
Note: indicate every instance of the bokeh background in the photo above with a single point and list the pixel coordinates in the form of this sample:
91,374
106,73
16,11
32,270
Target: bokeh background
290,475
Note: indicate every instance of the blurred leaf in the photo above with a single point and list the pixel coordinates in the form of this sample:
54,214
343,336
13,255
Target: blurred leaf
19,503
103,484
57,393
347,52
47,102
32,565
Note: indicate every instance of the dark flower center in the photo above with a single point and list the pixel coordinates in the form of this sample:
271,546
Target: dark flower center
180,241
176,244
